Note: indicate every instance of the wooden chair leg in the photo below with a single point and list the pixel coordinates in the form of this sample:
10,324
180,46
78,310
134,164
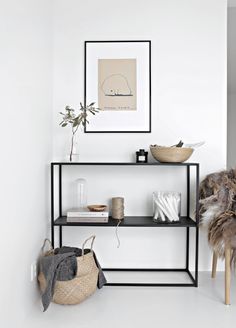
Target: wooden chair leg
214,265
227,274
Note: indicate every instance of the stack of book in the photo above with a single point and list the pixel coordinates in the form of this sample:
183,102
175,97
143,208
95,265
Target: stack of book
84,215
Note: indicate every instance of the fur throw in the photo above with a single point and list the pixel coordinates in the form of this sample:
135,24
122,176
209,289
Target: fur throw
218,210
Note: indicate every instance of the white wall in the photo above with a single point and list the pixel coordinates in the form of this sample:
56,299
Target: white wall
188,83
26,148
231,149
189,103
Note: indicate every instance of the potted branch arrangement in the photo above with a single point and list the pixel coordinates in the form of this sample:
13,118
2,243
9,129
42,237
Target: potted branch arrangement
69,117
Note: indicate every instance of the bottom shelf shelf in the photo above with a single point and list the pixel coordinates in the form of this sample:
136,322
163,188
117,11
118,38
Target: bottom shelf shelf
130,221
136,277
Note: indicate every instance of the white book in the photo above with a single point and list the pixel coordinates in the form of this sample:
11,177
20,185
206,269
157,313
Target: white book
82,213
88,219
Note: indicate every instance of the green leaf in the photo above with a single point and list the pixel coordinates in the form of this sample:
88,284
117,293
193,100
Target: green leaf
77,117
75,124
64,124
93,103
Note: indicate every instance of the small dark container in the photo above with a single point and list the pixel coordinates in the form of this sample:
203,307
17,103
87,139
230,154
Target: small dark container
141,156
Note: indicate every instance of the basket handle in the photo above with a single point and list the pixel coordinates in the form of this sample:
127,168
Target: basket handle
91,247
46,240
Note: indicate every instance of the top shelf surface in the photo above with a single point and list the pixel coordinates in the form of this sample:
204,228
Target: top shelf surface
126,163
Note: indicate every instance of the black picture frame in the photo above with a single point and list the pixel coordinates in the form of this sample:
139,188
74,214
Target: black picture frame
148,42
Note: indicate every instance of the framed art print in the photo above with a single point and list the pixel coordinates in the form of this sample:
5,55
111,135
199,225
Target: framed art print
118,78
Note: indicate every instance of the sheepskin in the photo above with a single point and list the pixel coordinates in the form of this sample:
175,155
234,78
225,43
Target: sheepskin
218,210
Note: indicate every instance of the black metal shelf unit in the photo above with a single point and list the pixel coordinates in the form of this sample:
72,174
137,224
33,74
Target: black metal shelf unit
136,221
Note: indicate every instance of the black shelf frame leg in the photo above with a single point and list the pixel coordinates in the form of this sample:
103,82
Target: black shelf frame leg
60,236
60,190
197,179
187,248
188,215
197,227
52,205
60,202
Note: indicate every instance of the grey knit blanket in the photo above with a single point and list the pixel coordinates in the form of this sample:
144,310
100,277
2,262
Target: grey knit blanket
62,266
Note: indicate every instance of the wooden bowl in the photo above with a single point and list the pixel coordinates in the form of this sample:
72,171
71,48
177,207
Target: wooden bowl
97,208
171,154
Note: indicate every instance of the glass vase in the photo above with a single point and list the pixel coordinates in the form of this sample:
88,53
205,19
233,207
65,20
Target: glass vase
81,193
74,149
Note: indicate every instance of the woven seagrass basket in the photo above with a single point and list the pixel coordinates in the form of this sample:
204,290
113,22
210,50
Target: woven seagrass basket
76,290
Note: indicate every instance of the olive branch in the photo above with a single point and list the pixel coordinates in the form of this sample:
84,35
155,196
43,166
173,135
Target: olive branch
69,117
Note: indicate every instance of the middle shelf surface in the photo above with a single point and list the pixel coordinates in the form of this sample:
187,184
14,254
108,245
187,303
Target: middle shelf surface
130,221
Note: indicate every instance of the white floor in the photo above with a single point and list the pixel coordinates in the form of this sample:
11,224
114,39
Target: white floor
146,307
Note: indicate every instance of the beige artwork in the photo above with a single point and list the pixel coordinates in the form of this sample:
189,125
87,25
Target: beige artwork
117,84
